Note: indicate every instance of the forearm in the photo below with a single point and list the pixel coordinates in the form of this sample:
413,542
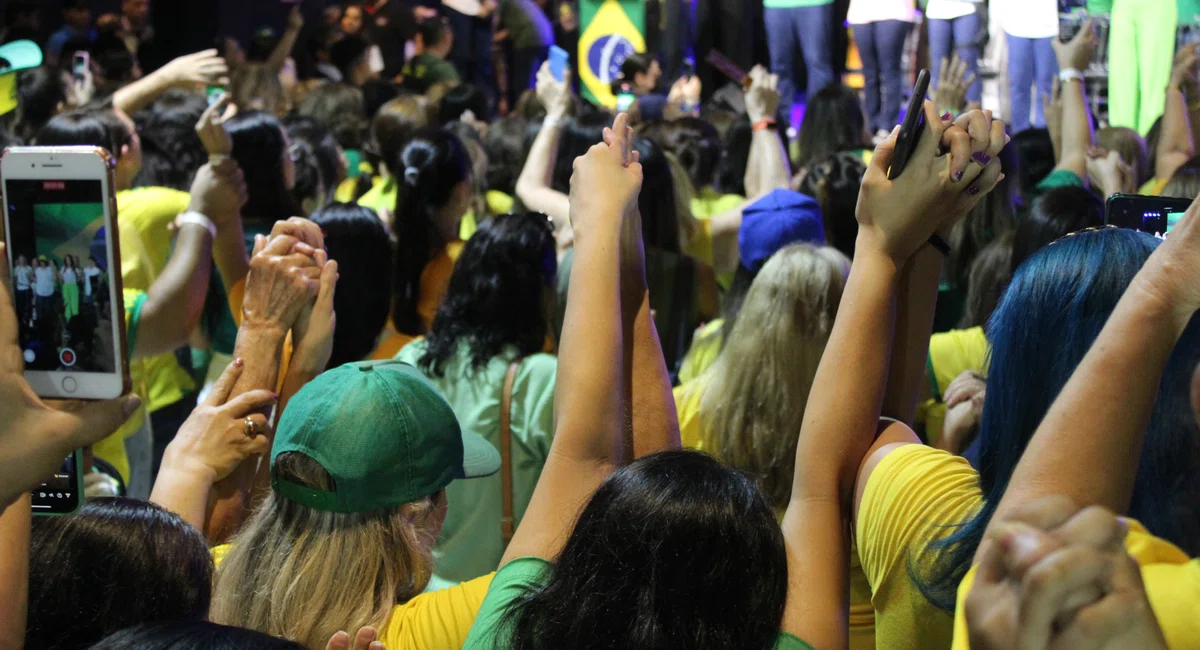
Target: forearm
769,168
1076,127
655,422
534,183
843,407
229,254
1088,445
916,304
135,96
15,522
283,49
259,346
183,492
1175,145
176,299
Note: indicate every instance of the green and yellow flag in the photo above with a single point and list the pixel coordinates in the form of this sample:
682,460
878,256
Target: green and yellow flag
612,30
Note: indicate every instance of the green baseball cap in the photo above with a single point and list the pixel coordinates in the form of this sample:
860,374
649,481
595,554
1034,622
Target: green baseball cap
14,57
382,432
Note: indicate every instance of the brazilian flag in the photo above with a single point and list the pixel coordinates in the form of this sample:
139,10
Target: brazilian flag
612,30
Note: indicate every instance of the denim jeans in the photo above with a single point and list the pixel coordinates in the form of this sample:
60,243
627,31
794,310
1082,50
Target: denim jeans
1030,61
810,30
959,35
881,46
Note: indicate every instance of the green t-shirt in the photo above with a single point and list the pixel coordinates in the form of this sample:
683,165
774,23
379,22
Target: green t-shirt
470,544
425,70
518,577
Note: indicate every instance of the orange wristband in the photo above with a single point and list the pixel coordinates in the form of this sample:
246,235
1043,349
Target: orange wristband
767,123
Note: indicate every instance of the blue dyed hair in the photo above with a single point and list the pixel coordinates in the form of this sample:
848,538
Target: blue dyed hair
1047,320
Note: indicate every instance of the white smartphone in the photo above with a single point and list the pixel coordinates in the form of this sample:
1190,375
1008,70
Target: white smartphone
60,220
80,64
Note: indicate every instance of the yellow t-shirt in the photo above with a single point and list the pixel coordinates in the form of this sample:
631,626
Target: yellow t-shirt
1172,583
498,202
691,436
915,496
436,620
381,196
950,354
1153,187
112,448
705,348
708,203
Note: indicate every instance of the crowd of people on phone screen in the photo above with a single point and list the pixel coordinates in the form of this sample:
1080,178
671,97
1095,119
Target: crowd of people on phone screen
409,370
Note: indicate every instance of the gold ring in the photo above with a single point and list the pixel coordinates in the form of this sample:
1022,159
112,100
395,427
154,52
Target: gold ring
250,428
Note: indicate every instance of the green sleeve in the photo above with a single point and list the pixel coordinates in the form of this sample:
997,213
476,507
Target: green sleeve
134,301
534,391
511,582
1100,6
790,642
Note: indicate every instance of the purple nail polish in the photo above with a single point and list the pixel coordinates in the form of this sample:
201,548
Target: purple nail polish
973,190
982,158
947,115
958,176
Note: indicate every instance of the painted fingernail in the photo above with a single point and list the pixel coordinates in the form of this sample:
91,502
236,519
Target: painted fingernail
958,176
982,158
275,396
947,115
973,190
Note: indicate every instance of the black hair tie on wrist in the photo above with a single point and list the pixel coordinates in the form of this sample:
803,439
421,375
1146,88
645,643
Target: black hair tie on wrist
940,244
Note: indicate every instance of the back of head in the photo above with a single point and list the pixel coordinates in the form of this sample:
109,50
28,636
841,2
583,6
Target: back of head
834,182
259,148
192,635
432,32
358,241
459,100
346,53
324,148
256,87
673,551
657,200
696,144
115,563
432,165
505,146
500,294
1035,152
1185,182
735,155
576,137
1132,148
117,65
171,150
281,574
40,96
833,122
989,275
634,64
97,128
340,108
994,216
395,125
770,356
1056,213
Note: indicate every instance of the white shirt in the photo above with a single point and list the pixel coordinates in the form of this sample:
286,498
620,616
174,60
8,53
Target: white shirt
69,277
88,274
44,281
24,276
871,11
949,9
1029,18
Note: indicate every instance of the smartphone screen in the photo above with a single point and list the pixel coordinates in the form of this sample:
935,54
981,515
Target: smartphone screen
213,93
558,62
61,494
79,64
1156,215
625,101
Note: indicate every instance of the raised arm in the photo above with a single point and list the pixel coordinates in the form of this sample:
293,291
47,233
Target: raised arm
1088,445
896,219
768,167
1077,136
1177,143
595,348
533,185
283,49
229,247
198,69
14,572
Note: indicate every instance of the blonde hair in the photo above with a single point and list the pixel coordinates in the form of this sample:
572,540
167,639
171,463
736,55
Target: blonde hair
684,193
754,394
256,86
303,574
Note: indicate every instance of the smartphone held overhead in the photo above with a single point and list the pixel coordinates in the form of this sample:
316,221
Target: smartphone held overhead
558,62
1155,215
912,127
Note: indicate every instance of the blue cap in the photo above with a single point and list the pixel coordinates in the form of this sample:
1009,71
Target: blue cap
780,218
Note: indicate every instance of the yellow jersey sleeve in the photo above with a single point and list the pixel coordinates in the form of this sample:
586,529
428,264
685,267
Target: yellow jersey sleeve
436,620
705,348
687,406
912,498
1172,583
950,353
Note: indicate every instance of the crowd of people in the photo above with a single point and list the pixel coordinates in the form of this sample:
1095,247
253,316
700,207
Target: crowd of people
418,365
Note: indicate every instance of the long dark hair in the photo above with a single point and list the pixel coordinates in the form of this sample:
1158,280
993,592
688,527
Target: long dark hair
258,148
834,182
1049,317
995,216
697,145
658,559
40,91
116,563
656,202
192,635
98,128
429,169
498,293
833,122
358,241
171,150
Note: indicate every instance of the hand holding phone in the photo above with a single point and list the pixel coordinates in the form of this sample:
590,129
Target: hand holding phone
80,64
1156,215
558,63
912,128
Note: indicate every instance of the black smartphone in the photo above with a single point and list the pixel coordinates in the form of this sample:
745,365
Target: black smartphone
80,64
1070,23
912,128
61,494
1156,215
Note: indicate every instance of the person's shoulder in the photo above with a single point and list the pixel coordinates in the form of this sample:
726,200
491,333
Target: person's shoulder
436,619
412,352
153,199
540,367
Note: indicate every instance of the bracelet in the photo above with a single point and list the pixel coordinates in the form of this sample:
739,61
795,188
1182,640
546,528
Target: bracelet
1071,74
938,242
764,124
196,219
551,121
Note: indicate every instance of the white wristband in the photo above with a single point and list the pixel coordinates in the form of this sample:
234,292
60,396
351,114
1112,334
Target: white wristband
196,219
1071,74
551,121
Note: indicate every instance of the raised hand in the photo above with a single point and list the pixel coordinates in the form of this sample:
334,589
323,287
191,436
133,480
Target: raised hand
284,279
364,640
221,433
314,328
554,95
762,98
953,82
1183,71
211,127
1170,273
1078,53
200,68
606,180
219,192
